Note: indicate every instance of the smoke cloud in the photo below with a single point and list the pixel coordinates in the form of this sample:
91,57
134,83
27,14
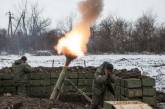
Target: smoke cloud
90,9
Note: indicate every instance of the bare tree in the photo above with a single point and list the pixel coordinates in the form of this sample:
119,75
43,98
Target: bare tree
3,40
65,25
36,23
144,30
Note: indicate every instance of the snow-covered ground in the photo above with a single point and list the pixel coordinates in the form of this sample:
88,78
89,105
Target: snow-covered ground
151,65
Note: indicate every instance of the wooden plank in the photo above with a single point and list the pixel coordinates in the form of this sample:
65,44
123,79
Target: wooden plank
125,105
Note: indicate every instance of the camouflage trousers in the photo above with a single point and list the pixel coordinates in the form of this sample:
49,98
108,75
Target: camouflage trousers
21,88
97,101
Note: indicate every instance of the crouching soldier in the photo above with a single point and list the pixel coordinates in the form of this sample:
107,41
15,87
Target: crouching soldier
22,71
102,81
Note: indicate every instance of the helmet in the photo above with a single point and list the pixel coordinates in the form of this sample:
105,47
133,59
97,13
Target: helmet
24,58
107,65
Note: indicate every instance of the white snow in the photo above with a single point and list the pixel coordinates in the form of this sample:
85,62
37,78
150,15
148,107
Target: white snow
145,63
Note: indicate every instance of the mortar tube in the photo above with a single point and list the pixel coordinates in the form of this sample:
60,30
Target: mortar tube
58,85
61,78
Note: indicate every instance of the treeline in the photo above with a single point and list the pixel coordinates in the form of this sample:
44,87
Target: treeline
120,36
111,35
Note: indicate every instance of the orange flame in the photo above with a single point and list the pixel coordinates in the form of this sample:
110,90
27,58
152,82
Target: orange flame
74,43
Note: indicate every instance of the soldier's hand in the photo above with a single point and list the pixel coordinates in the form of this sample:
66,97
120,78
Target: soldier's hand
106,73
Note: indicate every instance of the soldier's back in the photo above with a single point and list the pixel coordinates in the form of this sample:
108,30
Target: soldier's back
20,71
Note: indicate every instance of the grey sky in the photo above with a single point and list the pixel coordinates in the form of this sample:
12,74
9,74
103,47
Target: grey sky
59,9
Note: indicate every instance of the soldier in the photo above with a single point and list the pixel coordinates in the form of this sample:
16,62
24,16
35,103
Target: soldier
102,81
21,70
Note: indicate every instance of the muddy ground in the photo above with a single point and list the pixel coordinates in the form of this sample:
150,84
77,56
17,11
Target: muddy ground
18,102
8,101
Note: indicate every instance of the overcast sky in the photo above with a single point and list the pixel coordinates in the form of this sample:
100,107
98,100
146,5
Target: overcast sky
59,9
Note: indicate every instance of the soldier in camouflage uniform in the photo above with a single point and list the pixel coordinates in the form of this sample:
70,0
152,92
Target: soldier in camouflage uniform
21,70
102,81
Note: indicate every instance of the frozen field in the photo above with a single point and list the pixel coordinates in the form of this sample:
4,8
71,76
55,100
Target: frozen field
151,65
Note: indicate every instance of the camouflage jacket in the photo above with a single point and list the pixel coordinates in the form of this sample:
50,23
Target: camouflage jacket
21,71
102,82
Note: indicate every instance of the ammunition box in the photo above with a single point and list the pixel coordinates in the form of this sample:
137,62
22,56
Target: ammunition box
150,100
122,83
133,93
6,83
74,81
7,76
122,91
85,75
10,89
54,75
36,76
132,83
149,91
117,81
148,82
53,81
72,75
87,82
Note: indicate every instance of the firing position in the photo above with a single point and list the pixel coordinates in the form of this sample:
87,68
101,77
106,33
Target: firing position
102,81
22,71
